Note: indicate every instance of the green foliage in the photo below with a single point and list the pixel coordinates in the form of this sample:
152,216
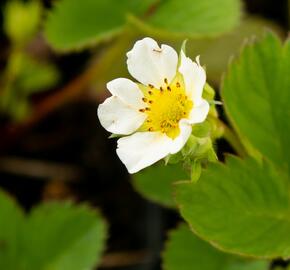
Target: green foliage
216,52
21,20
185,251
25,76
256,96
242,207
72,25
55,236
198,19
155,182
36,76
12,219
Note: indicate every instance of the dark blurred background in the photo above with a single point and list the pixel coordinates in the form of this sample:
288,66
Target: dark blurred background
62,152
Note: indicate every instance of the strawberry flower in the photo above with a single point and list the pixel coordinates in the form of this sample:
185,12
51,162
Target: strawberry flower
156,115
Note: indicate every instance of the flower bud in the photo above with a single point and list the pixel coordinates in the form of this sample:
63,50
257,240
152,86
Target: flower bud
21,20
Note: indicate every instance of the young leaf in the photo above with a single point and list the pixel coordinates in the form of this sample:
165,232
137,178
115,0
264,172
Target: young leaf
256,97
71,25
155,182
185,251
242,207
35,77
21,20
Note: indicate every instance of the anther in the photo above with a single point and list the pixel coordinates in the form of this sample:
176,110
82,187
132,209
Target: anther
144,99
150,85
161,89
165,80
147,109
150,92
142,110
150,129
177,84
150,101
168,88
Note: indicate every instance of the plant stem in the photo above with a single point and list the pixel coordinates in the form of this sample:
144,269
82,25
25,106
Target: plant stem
233,139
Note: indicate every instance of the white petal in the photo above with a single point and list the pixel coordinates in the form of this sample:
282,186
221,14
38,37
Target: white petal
194,77
199,113
127,91
150,64
142,149
179,142
118,117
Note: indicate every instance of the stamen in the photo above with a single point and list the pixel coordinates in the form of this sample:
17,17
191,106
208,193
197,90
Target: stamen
157,50
165,106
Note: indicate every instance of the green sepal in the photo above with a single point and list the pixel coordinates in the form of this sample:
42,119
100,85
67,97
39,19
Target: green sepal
208,92
174,159
112,136
202,130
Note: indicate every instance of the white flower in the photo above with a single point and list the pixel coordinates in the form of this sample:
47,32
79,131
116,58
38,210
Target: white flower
157,114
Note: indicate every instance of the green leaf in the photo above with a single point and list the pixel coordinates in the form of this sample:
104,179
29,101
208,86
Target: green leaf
70,237
185,251
256,97
242,207
155,182
244,265
215,53
198,19
12,219
71,25
36,76
54,236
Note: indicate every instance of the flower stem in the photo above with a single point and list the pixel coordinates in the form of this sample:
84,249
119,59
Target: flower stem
233,139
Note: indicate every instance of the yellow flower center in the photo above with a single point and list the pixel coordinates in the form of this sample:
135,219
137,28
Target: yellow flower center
166,106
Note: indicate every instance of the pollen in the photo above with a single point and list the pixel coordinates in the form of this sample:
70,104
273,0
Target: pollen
165,109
